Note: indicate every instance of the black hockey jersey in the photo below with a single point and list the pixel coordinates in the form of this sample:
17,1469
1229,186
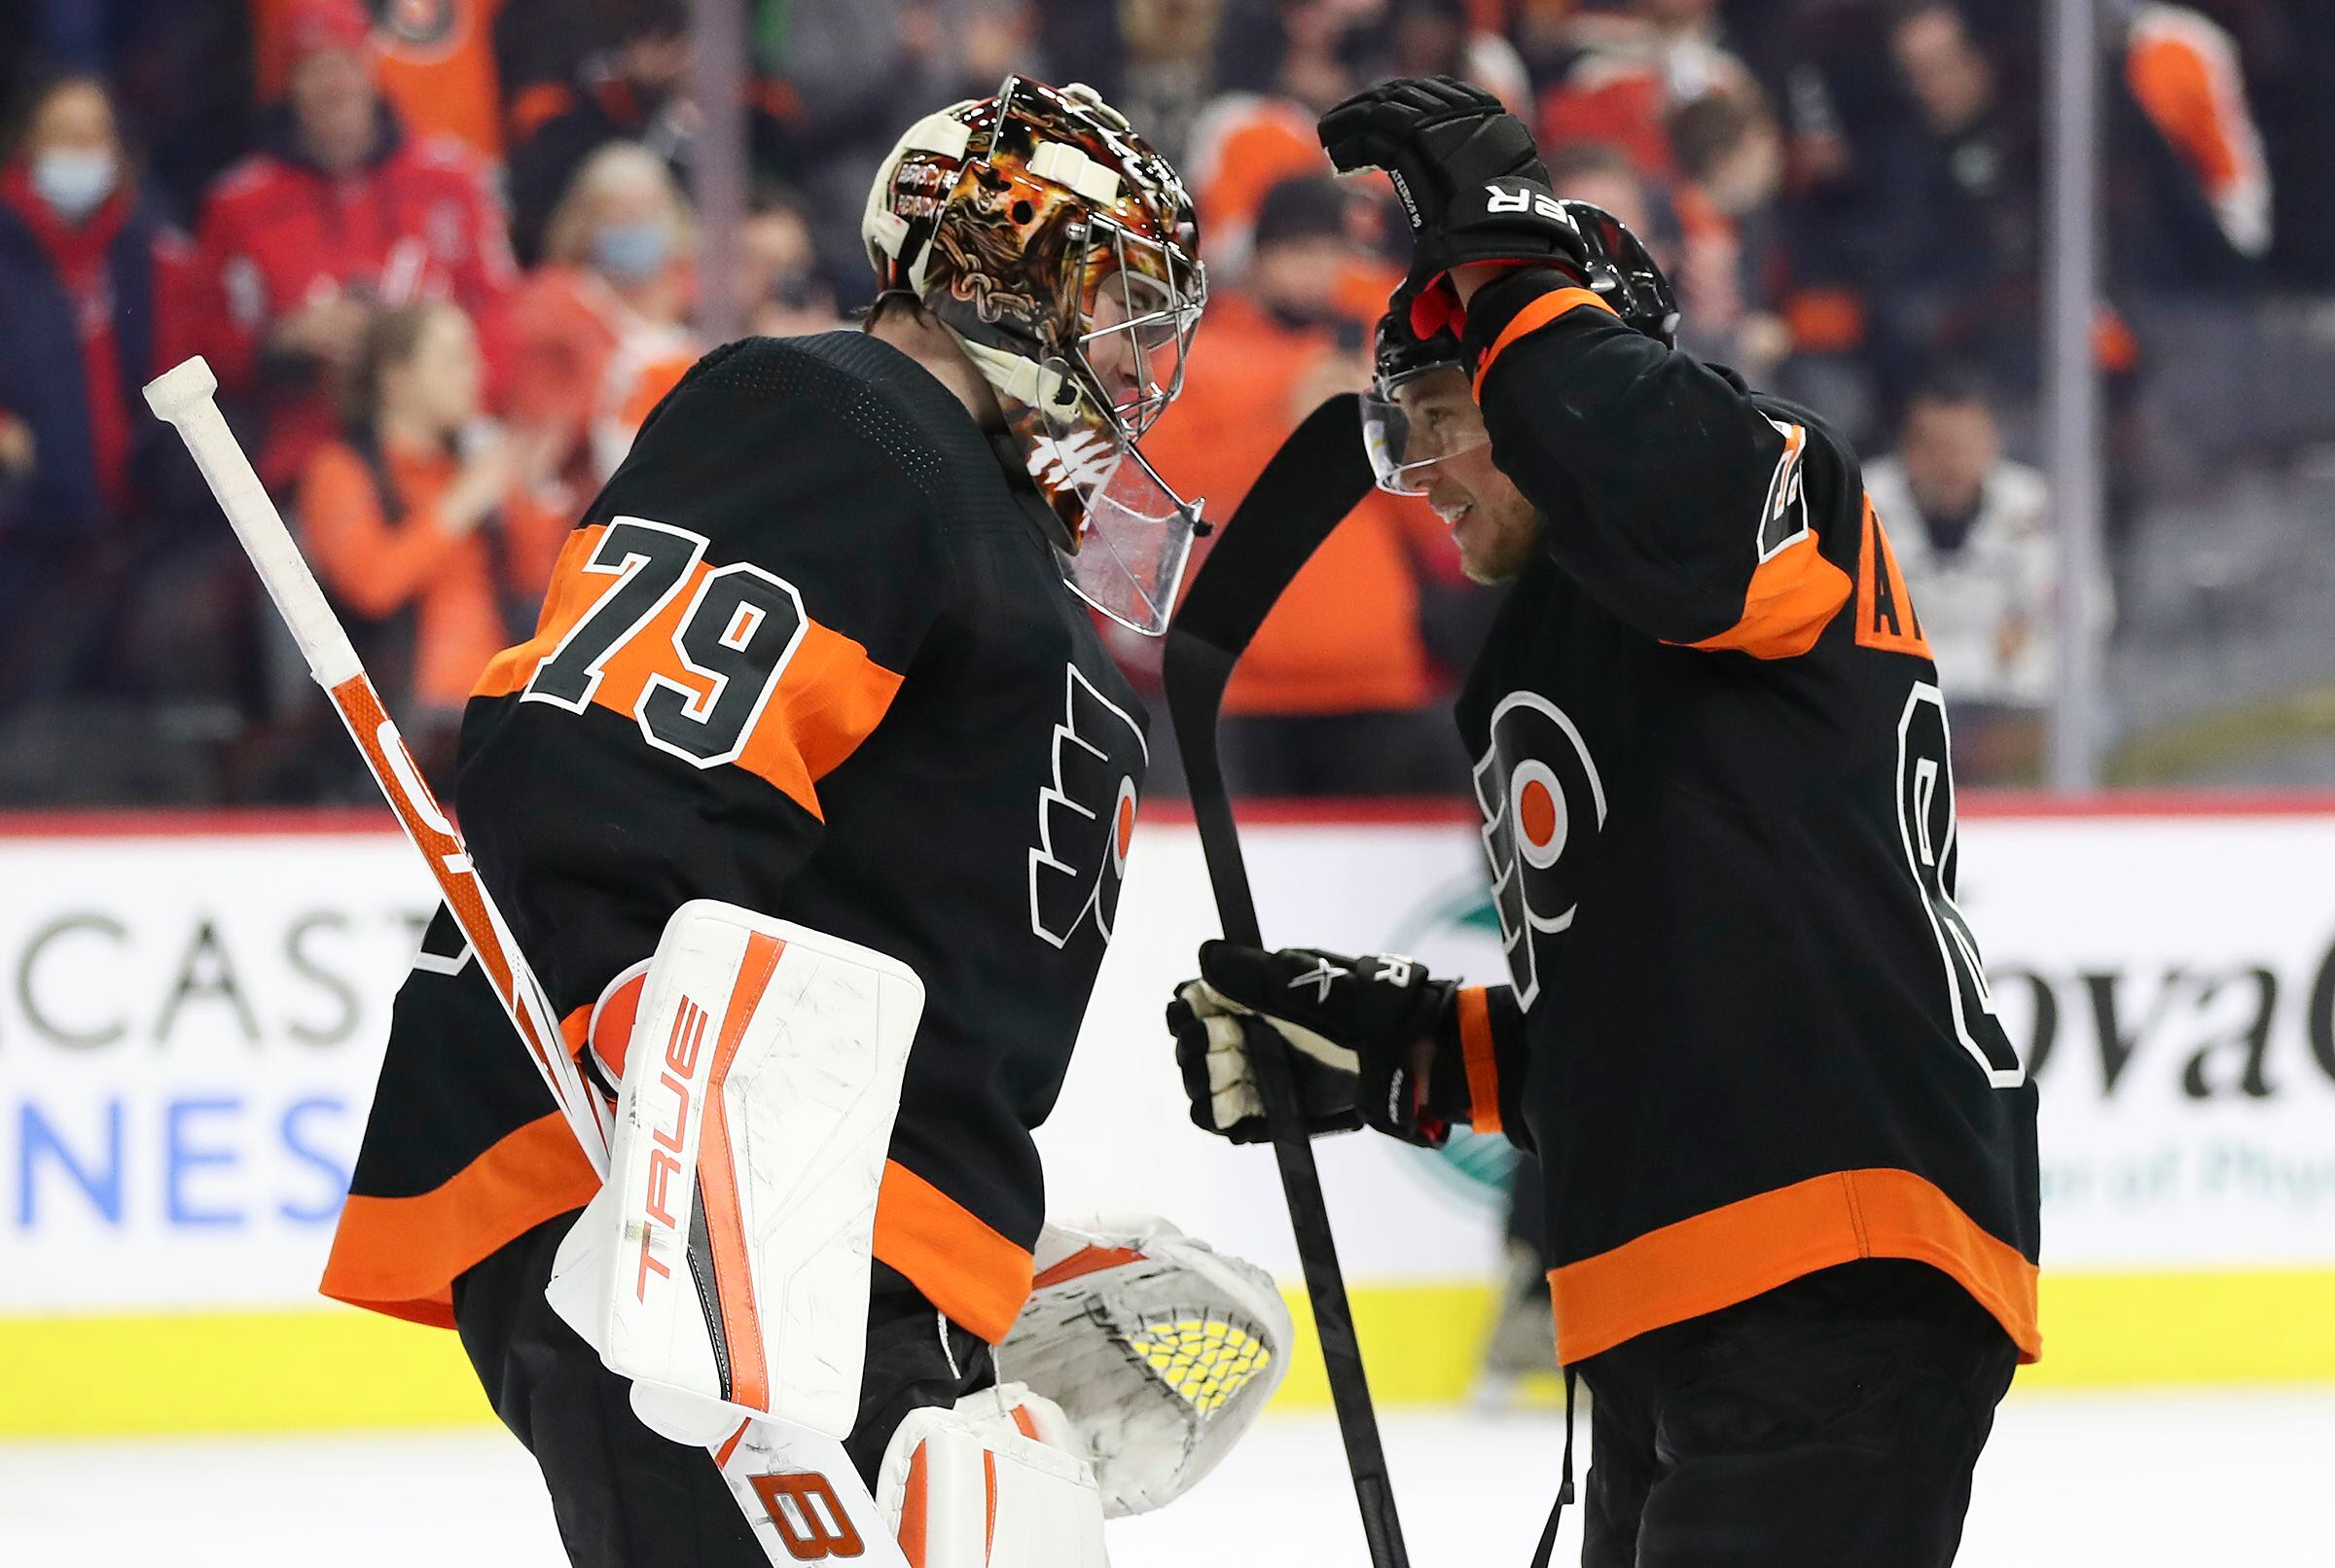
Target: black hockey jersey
1746,1029
805,654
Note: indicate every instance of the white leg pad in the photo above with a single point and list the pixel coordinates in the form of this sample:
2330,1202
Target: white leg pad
980,1486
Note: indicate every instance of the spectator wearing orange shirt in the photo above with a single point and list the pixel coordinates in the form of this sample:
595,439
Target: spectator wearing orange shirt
1330,697
598,329
425,525
437,64
340,213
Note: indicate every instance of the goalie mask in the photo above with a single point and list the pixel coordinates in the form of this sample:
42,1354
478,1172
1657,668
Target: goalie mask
1061,250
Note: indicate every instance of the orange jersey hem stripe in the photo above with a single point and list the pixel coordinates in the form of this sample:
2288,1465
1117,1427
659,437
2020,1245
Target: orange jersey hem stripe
975,1276
1731,1254
1530,319
400,1255
1483,1067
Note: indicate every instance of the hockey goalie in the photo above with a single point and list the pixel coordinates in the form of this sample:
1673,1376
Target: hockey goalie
810,801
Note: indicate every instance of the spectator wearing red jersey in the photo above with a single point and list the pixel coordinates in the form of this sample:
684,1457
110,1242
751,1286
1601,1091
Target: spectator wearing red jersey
425,524
599,330
1330,697
93,302
338,214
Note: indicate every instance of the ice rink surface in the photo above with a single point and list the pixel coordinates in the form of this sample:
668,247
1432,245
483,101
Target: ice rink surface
2071,1480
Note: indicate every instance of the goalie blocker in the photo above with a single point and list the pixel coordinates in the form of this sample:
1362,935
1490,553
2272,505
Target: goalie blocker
719,1291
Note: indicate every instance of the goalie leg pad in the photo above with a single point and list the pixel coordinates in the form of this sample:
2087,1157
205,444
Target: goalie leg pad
724,1265
987,1485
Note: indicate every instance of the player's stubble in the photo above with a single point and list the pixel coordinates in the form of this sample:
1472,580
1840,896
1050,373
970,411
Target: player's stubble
1495,528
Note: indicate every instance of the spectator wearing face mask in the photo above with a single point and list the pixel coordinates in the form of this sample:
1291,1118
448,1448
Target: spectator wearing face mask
1330,698
429,526
600,327
93,302
338,214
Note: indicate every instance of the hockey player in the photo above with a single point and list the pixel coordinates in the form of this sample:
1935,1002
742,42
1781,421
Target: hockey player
1790,1154
810,656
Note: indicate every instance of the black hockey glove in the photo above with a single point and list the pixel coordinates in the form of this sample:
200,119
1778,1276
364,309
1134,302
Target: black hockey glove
1469,179
1361,1034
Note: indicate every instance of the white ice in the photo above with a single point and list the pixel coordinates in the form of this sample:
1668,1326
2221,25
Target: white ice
2133,1480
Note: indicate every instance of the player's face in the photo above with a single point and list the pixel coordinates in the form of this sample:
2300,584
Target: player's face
1491,522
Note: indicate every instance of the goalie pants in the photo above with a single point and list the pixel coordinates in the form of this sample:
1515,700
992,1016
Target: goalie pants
624,1496
1832,1422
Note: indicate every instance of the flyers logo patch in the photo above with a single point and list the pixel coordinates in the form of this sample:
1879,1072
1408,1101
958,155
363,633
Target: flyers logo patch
1543,803
1086,815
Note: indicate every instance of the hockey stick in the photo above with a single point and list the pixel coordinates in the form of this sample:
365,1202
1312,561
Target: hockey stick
791,1472
1316,477
182,397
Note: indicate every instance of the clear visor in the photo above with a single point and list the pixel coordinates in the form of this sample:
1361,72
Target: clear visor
1404,451
1137,533
1143,305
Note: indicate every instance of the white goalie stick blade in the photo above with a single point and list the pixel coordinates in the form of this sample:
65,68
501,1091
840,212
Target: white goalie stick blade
730,1249
1160,1350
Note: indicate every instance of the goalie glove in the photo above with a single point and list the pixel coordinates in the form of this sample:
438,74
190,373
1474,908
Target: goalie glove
1362,1032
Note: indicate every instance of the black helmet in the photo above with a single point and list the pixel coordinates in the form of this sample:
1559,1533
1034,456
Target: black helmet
1623,275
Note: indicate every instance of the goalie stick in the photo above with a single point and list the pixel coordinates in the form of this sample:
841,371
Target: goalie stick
813,1501
1318,475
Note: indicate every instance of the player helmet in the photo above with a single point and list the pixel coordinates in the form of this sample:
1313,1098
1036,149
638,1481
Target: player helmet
1061,250
1399,456
1624,275
1614,264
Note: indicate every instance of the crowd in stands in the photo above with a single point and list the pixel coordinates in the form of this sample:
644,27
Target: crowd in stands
441,254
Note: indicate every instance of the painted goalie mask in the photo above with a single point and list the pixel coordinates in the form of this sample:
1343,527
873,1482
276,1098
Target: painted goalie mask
1061,250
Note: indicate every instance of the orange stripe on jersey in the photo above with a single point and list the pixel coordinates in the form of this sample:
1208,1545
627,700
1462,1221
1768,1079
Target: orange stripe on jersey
828,698
717,1187
1885,608
1530,319
1737,1251
400,1255
975,1276
1483,1067
1793,598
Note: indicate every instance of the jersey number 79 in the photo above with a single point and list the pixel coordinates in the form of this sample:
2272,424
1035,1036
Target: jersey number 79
740,628
1927,826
